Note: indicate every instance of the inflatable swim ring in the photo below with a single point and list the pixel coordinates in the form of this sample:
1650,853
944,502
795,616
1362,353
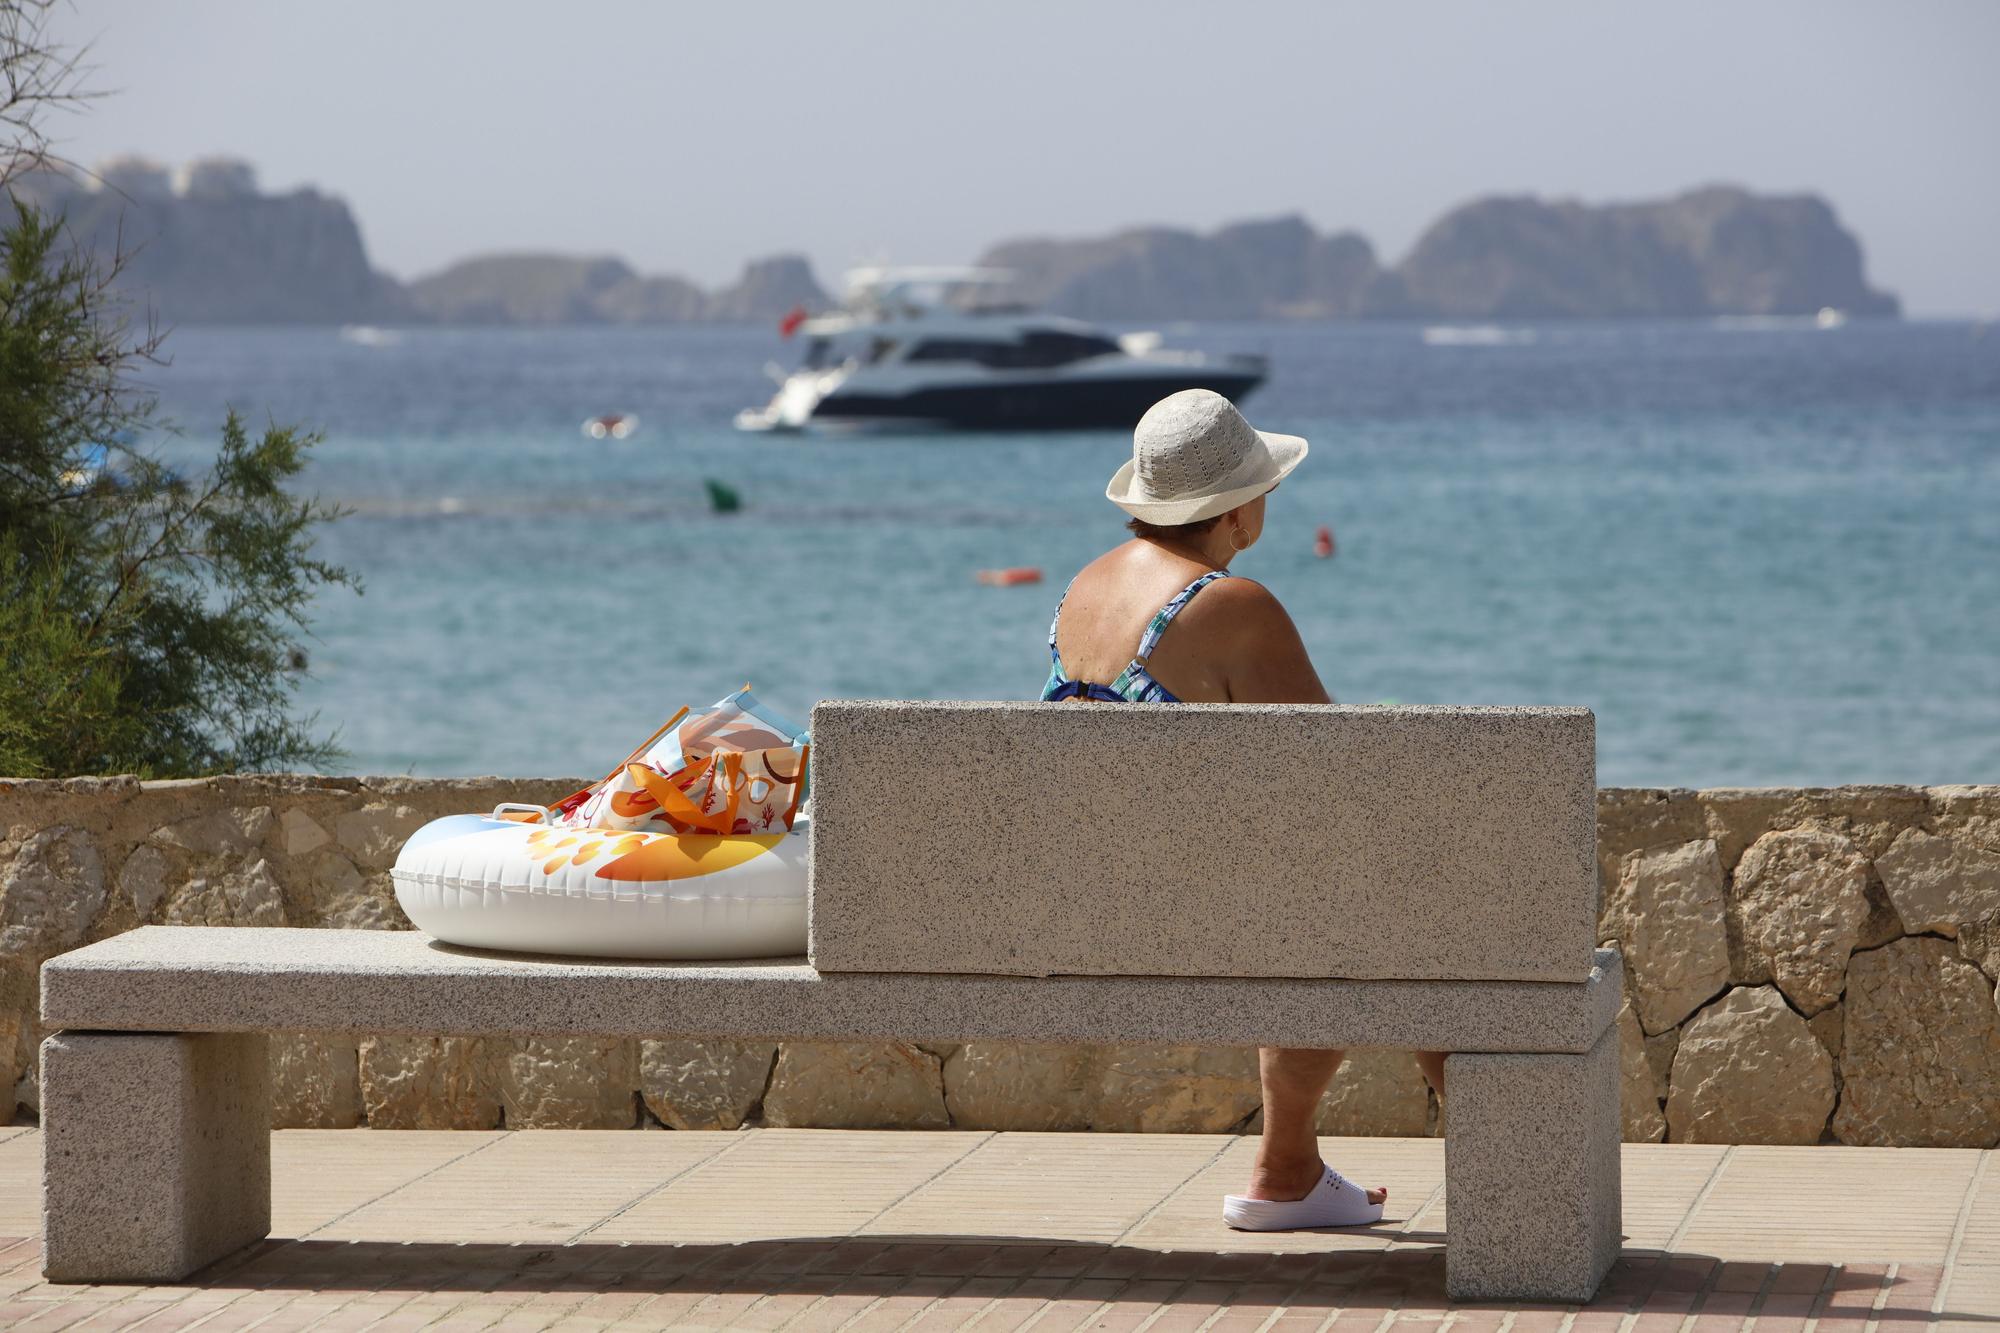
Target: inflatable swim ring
495,883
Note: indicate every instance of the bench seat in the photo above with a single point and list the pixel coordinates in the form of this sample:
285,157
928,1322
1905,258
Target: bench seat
156,1097
277,979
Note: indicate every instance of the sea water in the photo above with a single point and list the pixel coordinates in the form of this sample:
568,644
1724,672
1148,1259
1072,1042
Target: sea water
1763,553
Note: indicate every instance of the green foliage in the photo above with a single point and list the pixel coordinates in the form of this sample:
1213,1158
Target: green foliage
151,620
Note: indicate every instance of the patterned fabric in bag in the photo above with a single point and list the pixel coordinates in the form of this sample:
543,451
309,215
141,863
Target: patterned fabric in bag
734,768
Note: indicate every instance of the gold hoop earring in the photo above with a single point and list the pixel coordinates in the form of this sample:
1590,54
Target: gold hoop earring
1239,539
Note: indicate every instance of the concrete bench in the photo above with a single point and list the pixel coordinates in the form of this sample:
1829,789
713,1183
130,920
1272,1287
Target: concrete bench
155,1091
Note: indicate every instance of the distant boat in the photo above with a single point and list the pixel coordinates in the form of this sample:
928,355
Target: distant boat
1827,318
614,425
367,335
1475,335
911,347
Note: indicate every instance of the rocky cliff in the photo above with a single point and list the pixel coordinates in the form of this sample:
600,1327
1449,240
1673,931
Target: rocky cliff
1713,251
1716,251
1278,267
216,250
565,289
207,246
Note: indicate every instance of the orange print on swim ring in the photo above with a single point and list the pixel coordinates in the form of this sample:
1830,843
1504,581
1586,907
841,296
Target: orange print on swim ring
554,852
660,856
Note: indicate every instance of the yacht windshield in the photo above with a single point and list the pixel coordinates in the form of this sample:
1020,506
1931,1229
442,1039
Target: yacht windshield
1037,350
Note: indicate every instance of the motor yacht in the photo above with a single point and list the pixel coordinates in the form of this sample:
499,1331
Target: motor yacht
917,347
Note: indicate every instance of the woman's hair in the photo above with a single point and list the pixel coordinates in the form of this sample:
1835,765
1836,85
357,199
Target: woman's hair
1169,531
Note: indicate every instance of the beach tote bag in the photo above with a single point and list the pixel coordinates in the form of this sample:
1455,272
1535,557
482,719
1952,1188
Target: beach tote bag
735,767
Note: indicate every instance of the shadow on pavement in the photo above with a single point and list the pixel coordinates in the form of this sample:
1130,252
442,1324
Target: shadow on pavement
1409,1279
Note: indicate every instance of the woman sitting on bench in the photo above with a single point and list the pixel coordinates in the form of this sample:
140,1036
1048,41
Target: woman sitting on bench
1195,489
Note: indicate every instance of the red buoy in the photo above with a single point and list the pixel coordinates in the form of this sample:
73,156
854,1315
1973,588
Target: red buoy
1008,578
1323,542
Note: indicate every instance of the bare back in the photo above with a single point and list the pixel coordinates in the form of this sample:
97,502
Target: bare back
1231,643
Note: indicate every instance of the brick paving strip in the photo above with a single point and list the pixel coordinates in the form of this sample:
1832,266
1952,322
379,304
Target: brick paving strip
812,1230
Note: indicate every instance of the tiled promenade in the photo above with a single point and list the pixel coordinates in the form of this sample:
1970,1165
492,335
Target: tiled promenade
820,1230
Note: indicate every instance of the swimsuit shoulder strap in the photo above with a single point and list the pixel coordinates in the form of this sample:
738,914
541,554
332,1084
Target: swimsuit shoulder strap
1056,620
1165,615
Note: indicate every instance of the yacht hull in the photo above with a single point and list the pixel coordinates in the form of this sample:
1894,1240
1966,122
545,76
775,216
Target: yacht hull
1052,404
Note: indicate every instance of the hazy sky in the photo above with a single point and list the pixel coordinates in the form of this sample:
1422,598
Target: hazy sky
689,137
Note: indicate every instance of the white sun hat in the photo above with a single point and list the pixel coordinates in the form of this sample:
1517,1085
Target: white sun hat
1194,456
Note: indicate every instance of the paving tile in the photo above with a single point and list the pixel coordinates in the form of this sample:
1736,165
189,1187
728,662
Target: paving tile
1829,1204
1974,1288
793,1182
1043,1186
21,1182
579,1178
319,1174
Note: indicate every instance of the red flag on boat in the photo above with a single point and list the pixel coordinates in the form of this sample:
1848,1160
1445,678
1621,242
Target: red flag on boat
790,323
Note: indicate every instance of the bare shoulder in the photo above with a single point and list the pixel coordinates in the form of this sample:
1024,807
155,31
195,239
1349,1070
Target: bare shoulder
1264,658
1244,604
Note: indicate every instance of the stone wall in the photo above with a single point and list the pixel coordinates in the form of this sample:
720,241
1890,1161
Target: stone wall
1803,966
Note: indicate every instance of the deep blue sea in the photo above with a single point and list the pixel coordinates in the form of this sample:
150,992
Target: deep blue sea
1763,555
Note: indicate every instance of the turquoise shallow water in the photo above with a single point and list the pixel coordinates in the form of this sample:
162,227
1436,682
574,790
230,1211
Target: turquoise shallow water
1761,555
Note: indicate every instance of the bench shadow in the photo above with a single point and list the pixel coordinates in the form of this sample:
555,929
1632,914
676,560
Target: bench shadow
1312,1275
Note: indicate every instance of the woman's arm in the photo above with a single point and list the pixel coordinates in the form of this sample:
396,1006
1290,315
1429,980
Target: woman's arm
1265,659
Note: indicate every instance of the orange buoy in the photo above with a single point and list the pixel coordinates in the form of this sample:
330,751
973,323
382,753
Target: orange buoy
1323,542
1008,578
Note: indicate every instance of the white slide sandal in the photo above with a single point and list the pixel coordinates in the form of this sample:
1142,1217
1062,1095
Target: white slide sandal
1334,1202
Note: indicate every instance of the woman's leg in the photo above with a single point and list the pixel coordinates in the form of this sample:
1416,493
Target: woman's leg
1432,1063
1288,1164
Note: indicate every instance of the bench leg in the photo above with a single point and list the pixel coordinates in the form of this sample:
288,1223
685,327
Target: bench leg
1531,1174
156,1153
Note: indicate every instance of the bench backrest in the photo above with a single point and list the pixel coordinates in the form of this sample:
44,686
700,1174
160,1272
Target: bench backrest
1213,840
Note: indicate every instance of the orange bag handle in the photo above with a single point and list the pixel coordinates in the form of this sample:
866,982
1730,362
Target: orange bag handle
674,802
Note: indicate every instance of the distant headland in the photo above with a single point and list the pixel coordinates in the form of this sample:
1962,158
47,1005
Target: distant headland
212,248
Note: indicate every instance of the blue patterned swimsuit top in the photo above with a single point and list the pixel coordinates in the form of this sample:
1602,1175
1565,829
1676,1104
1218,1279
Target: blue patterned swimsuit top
1135,684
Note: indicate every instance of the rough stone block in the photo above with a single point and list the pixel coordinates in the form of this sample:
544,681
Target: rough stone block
1798,906
1920,1054
1164,1089
1377,1092
1219,840
315,1082
156,1153
1748,1069
1937,883
712,1084
1532,1164
856,1085
569,1083
1666,911
432,1082
1639,1094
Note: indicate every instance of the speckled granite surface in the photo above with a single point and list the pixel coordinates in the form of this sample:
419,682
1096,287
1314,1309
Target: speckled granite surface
156,1152
1531,1146
1212,840
252,979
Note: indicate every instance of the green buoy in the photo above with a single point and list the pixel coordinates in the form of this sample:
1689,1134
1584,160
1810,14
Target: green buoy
722,499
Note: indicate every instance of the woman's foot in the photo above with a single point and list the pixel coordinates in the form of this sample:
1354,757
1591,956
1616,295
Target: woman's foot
1285,1184
1332,1200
